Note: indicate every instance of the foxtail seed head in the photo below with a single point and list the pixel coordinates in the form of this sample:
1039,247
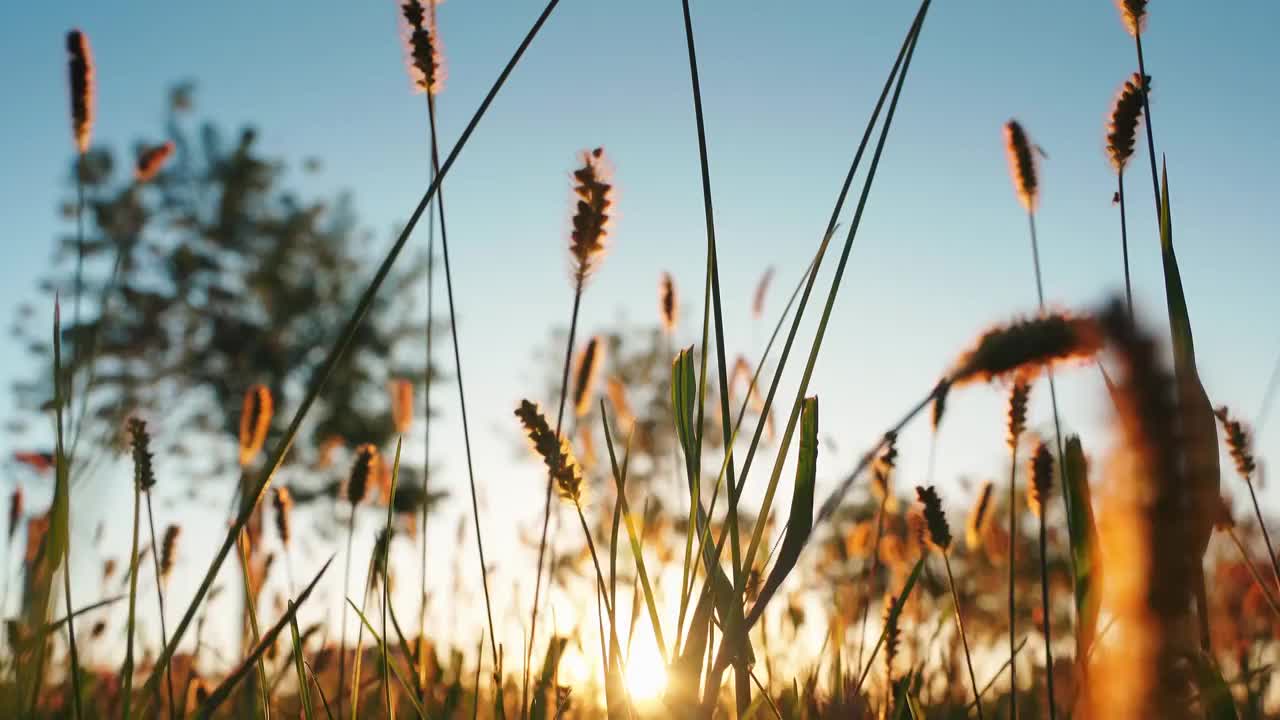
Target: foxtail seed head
554,451
81,75
1041,479
401,405
1133,13
1022,165
144,475
365,470
1238,442
255,419
591,215
169,550
979,517
425,66
1017,414
668,303
151,160
1122,127
283,503
1023,347
589,362
939,535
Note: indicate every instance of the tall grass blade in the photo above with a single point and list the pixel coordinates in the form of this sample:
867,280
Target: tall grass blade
386,585
252,613
1088,580
299,665
60,533
546,681
407,685
223,691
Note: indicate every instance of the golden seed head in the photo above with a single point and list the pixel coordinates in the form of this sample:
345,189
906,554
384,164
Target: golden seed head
1022,165
591,215
283,503
255,420
1023,347
366,469
140,441
1041,479
151,160
762,291
668,303
1122,128
168,550
618,398
1017,414
401,405
425,66
936,521
940,403
979,517
1134,15
882,472
553,449
891,636
589,362
1238,443
81,74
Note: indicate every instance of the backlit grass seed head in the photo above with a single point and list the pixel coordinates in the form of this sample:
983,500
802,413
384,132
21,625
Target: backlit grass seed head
282,501
668,303
255,419
81,75
882,472
591,214
366,469
589,362
940,403
1022,165
761,293
939,535
892,635
976,526
1122,128
423,45
618,398
168,550
1017,414
1133,13
554,451
15,510
401,405
1238,442
1021,348
140,444
151,160
1041,478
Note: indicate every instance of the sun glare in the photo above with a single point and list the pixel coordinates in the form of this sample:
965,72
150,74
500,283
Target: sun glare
646,673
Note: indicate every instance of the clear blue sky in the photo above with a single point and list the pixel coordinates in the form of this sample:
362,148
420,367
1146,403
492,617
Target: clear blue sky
942,251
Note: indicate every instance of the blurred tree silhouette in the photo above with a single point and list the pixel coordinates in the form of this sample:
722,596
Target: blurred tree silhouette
208,278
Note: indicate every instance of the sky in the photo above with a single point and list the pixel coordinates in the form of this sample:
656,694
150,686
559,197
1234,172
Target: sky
942,251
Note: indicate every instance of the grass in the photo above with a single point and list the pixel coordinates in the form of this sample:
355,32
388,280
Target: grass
1197,653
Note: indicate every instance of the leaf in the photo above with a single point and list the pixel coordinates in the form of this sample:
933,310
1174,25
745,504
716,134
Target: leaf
800,519
304,687
546,681
1088,590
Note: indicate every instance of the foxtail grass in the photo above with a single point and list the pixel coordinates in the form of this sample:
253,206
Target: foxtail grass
282,503
591,227
1133,14
882,490
365,470
586,372
1039,485
140,441
979,517
668,304
151,160
1016,424
59,547
938,536
255,420
1122,128
1241,451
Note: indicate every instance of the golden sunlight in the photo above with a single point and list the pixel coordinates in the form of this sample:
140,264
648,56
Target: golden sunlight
646,672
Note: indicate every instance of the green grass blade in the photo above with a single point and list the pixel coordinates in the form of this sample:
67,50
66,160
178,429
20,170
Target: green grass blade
550,664
304,688
126,671
60,527
637,552
800,519
223,691
407,686
1088,590
252,612
386,585
339,349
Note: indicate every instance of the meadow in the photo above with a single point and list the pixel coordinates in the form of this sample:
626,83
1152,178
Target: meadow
1139,582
